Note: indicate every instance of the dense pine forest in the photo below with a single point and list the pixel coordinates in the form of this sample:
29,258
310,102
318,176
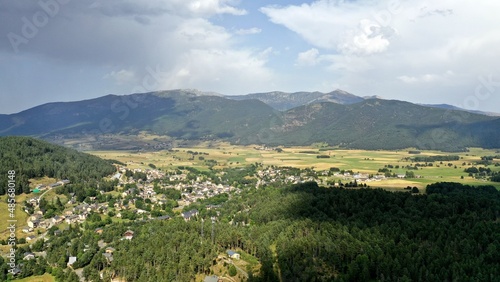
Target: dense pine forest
32,158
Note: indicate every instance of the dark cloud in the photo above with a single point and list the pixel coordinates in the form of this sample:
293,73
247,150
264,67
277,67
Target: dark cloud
112,46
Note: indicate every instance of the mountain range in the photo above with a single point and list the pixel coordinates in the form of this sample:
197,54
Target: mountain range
283,101
274,118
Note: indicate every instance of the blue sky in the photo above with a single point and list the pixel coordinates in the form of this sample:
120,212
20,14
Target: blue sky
419,51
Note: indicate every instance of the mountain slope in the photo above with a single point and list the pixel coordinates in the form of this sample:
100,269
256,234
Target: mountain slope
387,124
451,107
176,113
370,124
284,101
196,117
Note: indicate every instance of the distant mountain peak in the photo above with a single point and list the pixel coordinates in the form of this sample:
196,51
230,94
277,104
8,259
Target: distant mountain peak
340,92
283,101
188,91
372,97
201,93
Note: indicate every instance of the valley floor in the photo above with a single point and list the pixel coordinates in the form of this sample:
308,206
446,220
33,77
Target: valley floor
361,164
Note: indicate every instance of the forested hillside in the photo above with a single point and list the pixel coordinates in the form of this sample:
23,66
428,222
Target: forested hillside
308,233
30,158
283,101
386,124
358,235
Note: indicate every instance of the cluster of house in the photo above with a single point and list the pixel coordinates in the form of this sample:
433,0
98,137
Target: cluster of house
200,191
362,177
77,214
144,190
266,148
151,175
191,192
271,175
36,220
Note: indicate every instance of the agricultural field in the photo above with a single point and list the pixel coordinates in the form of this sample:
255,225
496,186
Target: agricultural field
223,155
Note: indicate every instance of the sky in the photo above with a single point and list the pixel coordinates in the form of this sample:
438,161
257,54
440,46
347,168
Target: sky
428,52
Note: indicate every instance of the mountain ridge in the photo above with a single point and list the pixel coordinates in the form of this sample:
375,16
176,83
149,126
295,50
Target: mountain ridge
283,101
192,115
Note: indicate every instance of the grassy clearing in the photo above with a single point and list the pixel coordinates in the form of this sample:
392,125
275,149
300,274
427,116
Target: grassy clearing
19,214
252,261
43,278
42,180
362,161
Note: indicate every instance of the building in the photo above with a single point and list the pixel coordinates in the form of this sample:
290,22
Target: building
71,261
129,234
233,254
189,214
33,223
163,217
28,256
64,182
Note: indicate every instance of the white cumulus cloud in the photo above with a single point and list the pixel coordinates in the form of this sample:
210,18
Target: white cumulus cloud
308,58
213,7
414,50
212,69
337,25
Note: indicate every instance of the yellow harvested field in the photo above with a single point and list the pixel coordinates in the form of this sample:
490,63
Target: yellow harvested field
42,278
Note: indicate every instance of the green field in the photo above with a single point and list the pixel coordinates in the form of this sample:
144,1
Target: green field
362,161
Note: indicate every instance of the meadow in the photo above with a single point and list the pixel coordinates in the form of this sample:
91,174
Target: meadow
20,217
42,278
222,155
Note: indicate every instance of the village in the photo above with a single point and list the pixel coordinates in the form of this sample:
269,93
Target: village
137,195
148,194
131,190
